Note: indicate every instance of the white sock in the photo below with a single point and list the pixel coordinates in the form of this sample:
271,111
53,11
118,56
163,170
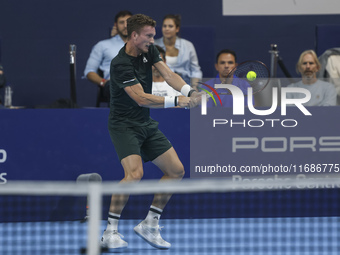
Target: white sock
153,216
112,222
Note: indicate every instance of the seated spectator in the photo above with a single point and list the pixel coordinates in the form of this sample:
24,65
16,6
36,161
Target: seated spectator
330,67
225,63
322,93
333,69
159,85
104,51
180,53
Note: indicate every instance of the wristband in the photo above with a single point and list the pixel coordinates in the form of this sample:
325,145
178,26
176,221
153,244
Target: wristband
176,100
185,90
102,82
169,101
190,92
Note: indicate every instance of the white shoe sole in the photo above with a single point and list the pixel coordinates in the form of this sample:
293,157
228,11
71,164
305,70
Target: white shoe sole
136,229
117,249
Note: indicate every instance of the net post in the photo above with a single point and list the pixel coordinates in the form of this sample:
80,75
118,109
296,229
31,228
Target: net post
95,205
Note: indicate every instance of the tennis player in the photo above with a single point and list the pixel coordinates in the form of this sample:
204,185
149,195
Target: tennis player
135,135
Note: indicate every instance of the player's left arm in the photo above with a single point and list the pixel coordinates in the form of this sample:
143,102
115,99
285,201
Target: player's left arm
173,79
176,81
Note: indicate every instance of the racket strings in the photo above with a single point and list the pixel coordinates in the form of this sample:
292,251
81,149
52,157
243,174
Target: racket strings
240,72
260,70
262,74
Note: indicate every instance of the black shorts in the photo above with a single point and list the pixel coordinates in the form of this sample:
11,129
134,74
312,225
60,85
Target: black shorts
147,141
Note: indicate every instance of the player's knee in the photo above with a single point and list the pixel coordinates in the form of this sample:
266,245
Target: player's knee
181,173
135,175
178,173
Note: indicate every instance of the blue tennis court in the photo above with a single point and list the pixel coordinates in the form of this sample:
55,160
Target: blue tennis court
241,236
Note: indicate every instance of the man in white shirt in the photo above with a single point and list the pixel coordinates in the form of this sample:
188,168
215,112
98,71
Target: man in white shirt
104,51
322,93
159,85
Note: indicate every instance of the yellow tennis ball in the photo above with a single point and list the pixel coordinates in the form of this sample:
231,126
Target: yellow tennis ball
251,75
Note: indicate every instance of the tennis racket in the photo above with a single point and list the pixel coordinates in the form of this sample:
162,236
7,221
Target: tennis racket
245,71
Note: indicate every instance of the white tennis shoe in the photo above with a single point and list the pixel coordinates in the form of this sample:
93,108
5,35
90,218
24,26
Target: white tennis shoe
151,235
113,241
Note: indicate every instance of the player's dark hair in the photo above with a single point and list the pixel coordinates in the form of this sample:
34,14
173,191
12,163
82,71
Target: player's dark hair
137,22
161,50
122,14
175,17
226,51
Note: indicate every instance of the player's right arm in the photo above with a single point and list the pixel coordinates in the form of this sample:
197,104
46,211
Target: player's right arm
137,93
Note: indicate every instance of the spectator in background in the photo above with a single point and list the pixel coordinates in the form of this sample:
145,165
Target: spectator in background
104,51
330,68
322,93
333,69
180,53
2,83
159,85
225,63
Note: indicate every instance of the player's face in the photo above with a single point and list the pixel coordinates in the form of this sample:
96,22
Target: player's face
308,67
226,63
169,28
145,38
122,25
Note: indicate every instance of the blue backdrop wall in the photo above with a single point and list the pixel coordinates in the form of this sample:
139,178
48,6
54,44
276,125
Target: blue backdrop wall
35,36
60,144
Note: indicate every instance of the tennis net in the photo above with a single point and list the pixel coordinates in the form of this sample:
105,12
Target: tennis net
214,216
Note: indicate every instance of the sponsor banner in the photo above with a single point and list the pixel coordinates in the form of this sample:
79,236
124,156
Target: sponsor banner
244,146
61,144
3,159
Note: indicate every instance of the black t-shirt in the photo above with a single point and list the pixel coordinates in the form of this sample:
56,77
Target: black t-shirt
126,71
